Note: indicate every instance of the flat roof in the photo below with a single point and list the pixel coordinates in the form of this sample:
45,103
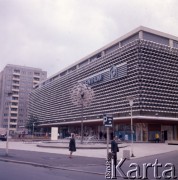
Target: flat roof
25,67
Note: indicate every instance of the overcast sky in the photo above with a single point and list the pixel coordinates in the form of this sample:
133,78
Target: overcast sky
52,34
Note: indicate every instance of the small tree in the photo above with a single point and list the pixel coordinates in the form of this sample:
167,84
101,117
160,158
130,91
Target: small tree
32,123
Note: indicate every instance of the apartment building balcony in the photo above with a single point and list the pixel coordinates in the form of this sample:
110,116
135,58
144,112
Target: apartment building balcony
14,114
14,109
14,106
12,127
13,123
16,78
15,84
36,81
16,73
36,76
15,95
13,119
15,100
15,89
34,85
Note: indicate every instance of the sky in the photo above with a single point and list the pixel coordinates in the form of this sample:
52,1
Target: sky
53,34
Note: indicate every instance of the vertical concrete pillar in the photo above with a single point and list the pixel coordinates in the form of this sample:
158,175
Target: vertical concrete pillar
102,53
140,34
171,43
175,132
141,128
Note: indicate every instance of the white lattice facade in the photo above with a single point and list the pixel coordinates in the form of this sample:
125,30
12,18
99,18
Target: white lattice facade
142,63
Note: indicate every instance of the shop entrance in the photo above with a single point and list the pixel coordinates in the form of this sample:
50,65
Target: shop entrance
164,135
154,132
168,132
141,132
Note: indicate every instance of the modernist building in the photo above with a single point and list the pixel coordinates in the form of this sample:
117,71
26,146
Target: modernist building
142,63
18,80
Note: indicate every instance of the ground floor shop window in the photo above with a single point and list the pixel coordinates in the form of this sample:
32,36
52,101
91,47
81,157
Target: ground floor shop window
154,136
124,132
141,132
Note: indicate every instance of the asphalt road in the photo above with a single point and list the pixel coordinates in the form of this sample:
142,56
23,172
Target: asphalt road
13,171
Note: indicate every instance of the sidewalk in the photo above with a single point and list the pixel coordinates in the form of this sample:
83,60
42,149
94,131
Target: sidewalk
140,149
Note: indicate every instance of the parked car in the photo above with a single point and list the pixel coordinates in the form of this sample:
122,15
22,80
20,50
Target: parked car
3,137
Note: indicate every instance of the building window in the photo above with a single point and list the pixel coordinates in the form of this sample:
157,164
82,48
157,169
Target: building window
16,76
15,87
14,103
16,82
14,98
13,120
155,38
12,126
63,73
36,73
13,115
72,69
175,44
16,70
36,79
13,109
83,63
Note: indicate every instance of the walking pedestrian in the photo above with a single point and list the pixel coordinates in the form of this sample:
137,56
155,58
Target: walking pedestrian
114,150
100,135
72,145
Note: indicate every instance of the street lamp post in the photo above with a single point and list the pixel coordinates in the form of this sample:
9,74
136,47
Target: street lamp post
82,96
33,132
131,102
8,124
33,129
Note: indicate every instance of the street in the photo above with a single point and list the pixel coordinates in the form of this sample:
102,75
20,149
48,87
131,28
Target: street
16,171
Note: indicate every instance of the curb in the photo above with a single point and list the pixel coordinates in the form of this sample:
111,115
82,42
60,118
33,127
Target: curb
78,147
47,166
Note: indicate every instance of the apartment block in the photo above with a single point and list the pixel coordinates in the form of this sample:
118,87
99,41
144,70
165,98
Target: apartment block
20,81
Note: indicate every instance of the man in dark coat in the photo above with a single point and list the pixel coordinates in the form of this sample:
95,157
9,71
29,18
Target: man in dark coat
114,150
100,135
72,146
